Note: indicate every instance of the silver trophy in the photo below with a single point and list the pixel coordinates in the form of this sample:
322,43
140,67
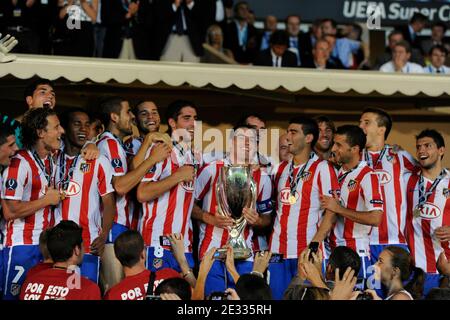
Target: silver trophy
236,189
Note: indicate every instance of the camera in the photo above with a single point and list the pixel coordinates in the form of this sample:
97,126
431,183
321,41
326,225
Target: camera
364,296
274,258
164,241
218,296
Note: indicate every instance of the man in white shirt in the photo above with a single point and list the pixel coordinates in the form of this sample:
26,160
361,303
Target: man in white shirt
400,60
438,55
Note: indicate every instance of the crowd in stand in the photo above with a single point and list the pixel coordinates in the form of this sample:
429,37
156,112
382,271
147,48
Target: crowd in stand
176,30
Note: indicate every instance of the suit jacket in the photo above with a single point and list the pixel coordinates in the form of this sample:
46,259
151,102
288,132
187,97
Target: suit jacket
166,19
265,59
407,36
306,46
247,53
309,63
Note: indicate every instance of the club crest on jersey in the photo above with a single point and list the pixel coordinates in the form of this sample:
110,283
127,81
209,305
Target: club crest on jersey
352,185
85,167
11,184
157,263
116,163
285,194
305,176
446,193
429,211
384,177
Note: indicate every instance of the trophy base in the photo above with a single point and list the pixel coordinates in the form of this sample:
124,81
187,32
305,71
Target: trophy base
239,253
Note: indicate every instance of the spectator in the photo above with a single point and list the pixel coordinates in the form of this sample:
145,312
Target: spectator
174,286
321,57
251,18
393,38
333,61
308,40
438,31
270,26
214,37
443,266
354,32
277,55
395,267
241,36
400,60
216,12
296,45
144,31
81,15
253,287
307,293
47,261
411,31
438,294
65,245
438,55
179,25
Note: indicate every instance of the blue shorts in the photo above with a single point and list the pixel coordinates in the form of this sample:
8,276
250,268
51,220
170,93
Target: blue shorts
279,276
216,280
165,259
116,230
17,260
90,267
376,249
432,280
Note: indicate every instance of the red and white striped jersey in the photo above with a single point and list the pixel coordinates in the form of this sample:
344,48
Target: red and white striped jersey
113,150
205,189
132,145
435,213
170,212
24,181
360,191
391,170
296,224
91,180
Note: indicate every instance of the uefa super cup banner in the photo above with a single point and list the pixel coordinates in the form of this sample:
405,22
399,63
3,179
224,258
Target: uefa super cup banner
392,13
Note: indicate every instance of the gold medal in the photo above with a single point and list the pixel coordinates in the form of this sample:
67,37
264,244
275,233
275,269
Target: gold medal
234,233
292,199
417,212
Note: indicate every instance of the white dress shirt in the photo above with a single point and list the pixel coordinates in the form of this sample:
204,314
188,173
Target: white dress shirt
431,69
276,60
409,67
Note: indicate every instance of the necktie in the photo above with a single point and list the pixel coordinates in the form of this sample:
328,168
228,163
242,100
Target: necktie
179,21
438,70
277,64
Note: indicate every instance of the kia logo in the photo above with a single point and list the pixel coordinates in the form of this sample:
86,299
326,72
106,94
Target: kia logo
383,176
429,211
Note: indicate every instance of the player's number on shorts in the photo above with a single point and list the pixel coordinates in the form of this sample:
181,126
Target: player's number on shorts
20,271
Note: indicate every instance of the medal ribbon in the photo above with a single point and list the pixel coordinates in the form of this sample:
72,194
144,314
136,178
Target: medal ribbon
293,183
48,174
424,195
368,158
65,177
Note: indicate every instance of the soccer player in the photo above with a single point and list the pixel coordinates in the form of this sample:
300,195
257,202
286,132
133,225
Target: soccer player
166,192
8,149
298,184
428,206
29,196
89,198
360,204
214,230
130,250
283,148
118,120
390,166
61,282
325,141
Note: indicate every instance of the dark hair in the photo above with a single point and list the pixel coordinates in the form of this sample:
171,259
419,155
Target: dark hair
440,24
253,287
66,116
128,247
383,119
301,292
354,135
439,47
43,239
405,44
6,130
290,16
108,106
236,6
29,90
244,118
309,126
63,239
402,260
328,122
34,120
279,37
433,134
358,29
395,32
438,294
342,258
178,286
174,110
332,21
418,17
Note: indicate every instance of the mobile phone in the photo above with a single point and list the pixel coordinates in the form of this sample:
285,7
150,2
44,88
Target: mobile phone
276,258
220,255
218,295
313,246
164,241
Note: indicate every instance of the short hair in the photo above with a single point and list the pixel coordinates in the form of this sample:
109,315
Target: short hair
63,239
253,287
66,116
292,15
405,44
244,118
178,286
332,21
309,126
43,239
302,292
354,135
438,294
128,248
30,88
239,3
439,47
440,24
418,17
383,119
110,105
342,258
34,120
328,122
433,134
174,110
395,32
279,37
6,130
